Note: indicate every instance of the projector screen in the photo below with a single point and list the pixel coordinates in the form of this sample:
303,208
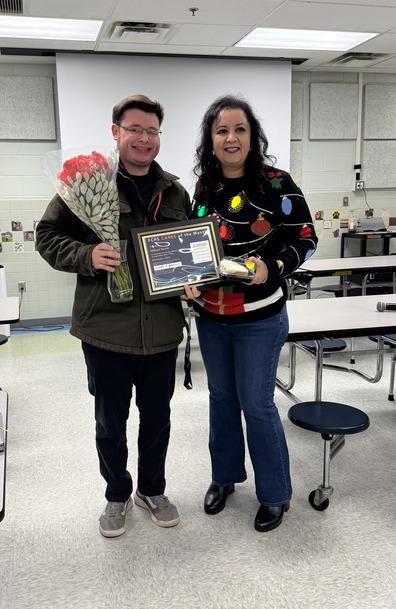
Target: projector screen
90,85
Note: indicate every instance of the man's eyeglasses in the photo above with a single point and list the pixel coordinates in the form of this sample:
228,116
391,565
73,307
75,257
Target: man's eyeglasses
152,132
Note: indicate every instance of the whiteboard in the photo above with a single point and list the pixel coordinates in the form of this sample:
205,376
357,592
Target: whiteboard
89,86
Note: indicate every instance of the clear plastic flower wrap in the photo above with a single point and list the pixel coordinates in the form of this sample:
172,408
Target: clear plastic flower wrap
87,184
235,269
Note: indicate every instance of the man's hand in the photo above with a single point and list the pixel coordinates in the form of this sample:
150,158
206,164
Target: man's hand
105,257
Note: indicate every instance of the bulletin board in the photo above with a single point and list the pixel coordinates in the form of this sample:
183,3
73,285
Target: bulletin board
296,152
333,111
297,111
31,99
379,124
378,162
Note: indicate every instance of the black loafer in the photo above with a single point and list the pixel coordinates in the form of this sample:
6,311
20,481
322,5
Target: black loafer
216,497
269,517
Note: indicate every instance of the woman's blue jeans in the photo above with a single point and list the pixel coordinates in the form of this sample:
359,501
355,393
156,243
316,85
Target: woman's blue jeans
241,361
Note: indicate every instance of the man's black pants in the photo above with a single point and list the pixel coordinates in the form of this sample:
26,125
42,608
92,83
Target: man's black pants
111,376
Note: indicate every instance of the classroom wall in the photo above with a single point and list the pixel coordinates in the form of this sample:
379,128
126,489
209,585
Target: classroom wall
86,89
323,168
24,195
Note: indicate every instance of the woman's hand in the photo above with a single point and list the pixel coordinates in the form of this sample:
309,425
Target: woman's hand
191,292
104,257
260,272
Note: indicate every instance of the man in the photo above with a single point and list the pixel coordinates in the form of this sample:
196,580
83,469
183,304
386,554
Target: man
125,344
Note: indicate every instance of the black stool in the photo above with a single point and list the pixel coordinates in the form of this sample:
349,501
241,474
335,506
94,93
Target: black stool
333,421
330,345
338,289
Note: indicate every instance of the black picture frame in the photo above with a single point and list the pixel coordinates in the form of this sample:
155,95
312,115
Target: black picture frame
170,255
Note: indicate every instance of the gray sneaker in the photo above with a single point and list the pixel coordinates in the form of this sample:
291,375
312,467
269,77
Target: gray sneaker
162,511
112,520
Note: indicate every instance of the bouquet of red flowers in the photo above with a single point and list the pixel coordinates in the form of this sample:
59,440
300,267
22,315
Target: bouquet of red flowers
87,184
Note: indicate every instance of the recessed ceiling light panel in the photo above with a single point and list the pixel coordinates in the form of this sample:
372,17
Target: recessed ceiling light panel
278,38
49,29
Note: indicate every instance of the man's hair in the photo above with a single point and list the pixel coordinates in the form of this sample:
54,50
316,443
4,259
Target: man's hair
141,102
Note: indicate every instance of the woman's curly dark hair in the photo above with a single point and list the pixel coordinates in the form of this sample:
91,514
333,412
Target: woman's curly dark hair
207,168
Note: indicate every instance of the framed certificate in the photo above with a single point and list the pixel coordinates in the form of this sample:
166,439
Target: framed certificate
170,255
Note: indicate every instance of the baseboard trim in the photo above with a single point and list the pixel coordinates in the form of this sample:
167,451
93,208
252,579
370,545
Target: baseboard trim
44,322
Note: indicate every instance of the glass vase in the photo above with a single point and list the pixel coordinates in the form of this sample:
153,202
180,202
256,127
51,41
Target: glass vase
119,283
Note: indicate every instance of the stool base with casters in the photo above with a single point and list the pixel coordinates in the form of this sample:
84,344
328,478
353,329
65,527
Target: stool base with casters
333,421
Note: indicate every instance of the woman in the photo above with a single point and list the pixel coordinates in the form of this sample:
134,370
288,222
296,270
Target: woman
263,218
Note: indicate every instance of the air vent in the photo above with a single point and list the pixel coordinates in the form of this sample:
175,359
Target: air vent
131,31
11,7
352,60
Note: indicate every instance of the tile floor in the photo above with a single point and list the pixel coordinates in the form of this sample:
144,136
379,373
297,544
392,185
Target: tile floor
52,555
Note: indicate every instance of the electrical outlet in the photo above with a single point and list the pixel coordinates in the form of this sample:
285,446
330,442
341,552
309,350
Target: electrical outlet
359,185
21,286
345,201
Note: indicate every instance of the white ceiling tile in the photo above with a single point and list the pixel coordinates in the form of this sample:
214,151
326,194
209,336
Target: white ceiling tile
225,12
159,49
384,43
218,25
391,3
335,16
201,35
70,9
388,64
64,45
270,53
